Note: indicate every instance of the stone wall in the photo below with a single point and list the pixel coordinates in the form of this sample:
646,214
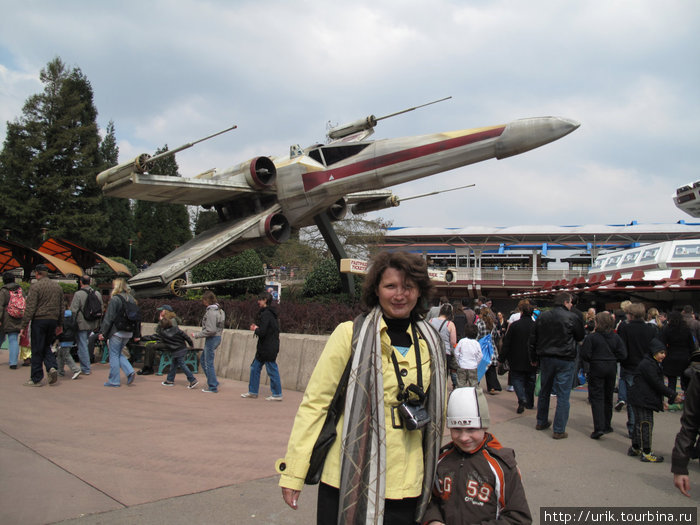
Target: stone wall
296,360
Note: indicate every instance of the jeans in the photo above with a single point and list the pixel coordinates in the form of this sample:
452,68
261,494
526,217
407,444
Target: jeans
524,386
64,358
43,333
179,361
210,346
13,344
272,372
556,376
626,379
117,360
83,354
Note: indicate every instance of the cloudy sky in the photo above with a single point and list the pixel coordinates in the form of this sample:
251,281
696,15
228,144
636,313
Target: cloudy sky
169,72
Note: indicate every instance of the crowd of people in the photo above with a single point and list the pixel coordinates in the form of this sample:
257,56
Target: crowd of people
383,377
41,332
370,425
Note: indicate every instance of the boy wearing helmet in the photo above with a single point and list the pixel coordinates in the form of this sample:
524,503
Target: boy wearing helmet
477,479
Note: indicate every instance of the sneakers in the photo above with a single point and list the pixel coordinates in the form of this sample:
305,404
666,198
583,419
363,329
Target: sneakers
510,388
76,375
53,376
544,426
250,395
193,384
632,451
273,398
619,405
168,383
560,435
32,383
209,391
130,378
650,458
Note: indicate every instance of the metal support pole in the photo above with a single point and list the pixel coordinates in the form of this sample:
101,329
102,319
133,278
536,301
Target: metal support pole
324,225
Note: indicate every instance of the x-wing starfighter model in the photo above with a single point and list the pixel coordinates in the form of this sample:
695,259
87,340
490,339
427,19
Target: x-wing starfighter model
261,200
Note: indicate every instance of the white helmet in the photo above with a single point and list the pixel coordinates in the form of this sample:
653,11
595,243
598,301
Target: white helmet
467,408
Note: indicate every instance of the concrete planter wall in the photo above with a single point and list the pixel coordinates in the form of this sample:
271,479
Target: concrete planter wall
296,360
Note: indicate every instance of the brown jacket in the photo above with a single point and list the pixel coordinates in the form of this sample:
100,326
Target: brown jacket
44,301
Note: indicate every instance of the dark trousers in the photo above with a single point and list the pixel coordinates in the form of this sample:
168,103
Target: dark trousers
673,381
396,511
492,382
43,334
643,428
601,383
524,386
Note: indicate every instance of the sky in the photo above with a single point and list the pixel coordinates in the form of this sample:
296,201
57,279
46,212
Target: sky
172,71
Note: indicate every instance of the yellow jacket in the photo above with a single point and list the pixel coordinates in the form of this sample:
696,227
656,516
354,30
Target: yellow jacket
404,452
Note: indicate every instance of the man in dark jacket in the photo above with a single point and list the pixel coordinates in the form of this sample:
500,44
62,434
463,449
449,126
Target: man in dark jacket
637,336
686,445
553,345
45,306
267,331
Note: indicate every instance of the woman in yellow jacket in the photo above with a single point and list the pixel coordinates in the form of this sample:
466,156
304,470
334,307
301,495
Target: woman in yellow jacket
380,467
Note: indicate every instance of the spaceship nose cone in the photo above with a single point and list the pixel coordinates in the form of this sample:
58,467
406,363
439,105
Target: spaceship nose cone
530,133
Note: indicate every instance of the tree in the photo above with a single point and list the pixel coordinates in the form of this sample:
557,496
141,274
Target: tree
118,211
49,161
246,264
360,236
324,279
161,227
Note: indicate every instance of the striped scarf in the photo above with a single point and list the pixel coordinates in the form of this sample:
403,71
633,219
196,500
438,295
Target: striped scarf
363,457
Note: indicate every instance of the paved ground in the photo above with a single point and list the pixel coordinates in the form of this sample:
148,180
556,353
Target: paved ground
78,452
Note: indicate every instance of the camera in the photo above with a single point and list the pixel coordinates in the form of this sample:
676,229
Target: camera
413,416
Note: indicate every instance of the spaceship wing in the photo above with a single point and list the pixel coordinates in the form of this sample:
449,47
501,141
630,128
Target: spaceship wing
266,227
177,190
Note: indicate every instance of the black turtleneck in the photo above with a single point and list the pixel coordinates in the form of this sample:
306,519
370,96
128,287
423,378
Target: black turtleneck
397,331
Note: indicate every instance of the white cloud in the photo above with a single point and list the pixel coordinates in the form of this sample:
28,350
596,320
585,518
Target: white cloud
173,72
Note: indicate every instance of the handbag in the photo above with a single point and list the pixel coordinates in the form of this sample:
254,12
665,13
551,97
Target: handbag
503,368
328,431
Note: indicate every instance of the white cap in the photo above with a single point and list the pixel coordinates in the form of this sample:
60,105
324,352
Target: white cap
467,408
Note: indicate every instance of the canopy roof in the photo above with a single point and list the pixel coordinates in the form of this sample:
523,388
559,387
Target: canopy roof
69,251
60,255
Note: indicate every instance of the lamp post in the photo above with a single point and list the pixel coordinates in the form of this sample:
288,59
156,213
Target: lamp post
131,242
43,233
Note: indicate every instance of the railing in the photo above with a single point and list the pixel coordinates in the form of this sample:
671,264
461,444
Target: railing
525,274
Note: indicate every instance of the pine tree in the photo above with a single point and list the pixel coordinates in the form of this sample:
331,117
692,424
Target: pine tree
161,227
118,211
49,162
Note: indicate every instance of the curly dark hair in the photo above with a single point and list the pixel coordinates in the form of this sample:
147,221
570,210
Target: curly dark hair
412,265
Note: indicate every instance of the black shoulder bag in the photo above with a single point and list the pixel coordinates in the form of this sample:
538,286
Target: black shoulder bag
328,432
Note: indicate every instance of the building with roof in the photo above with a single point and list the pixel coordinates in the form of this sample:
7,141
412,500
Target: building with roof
503,262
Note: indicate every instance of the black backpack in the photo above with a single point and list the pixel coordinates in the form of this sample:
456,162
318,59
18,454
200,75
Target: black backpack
92,309
129,317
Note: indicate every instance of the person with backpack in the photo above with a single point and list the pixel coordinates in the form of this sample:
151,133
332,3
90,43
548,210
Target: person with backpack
120,324
9,321
87,309
45,307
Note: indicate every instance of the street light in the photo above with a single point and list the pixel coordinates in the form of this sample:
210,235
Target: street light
131,242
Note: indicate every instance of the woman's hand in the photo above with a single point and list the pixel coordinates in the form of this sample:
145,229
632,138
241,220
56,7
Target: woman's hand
253,327
290,497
